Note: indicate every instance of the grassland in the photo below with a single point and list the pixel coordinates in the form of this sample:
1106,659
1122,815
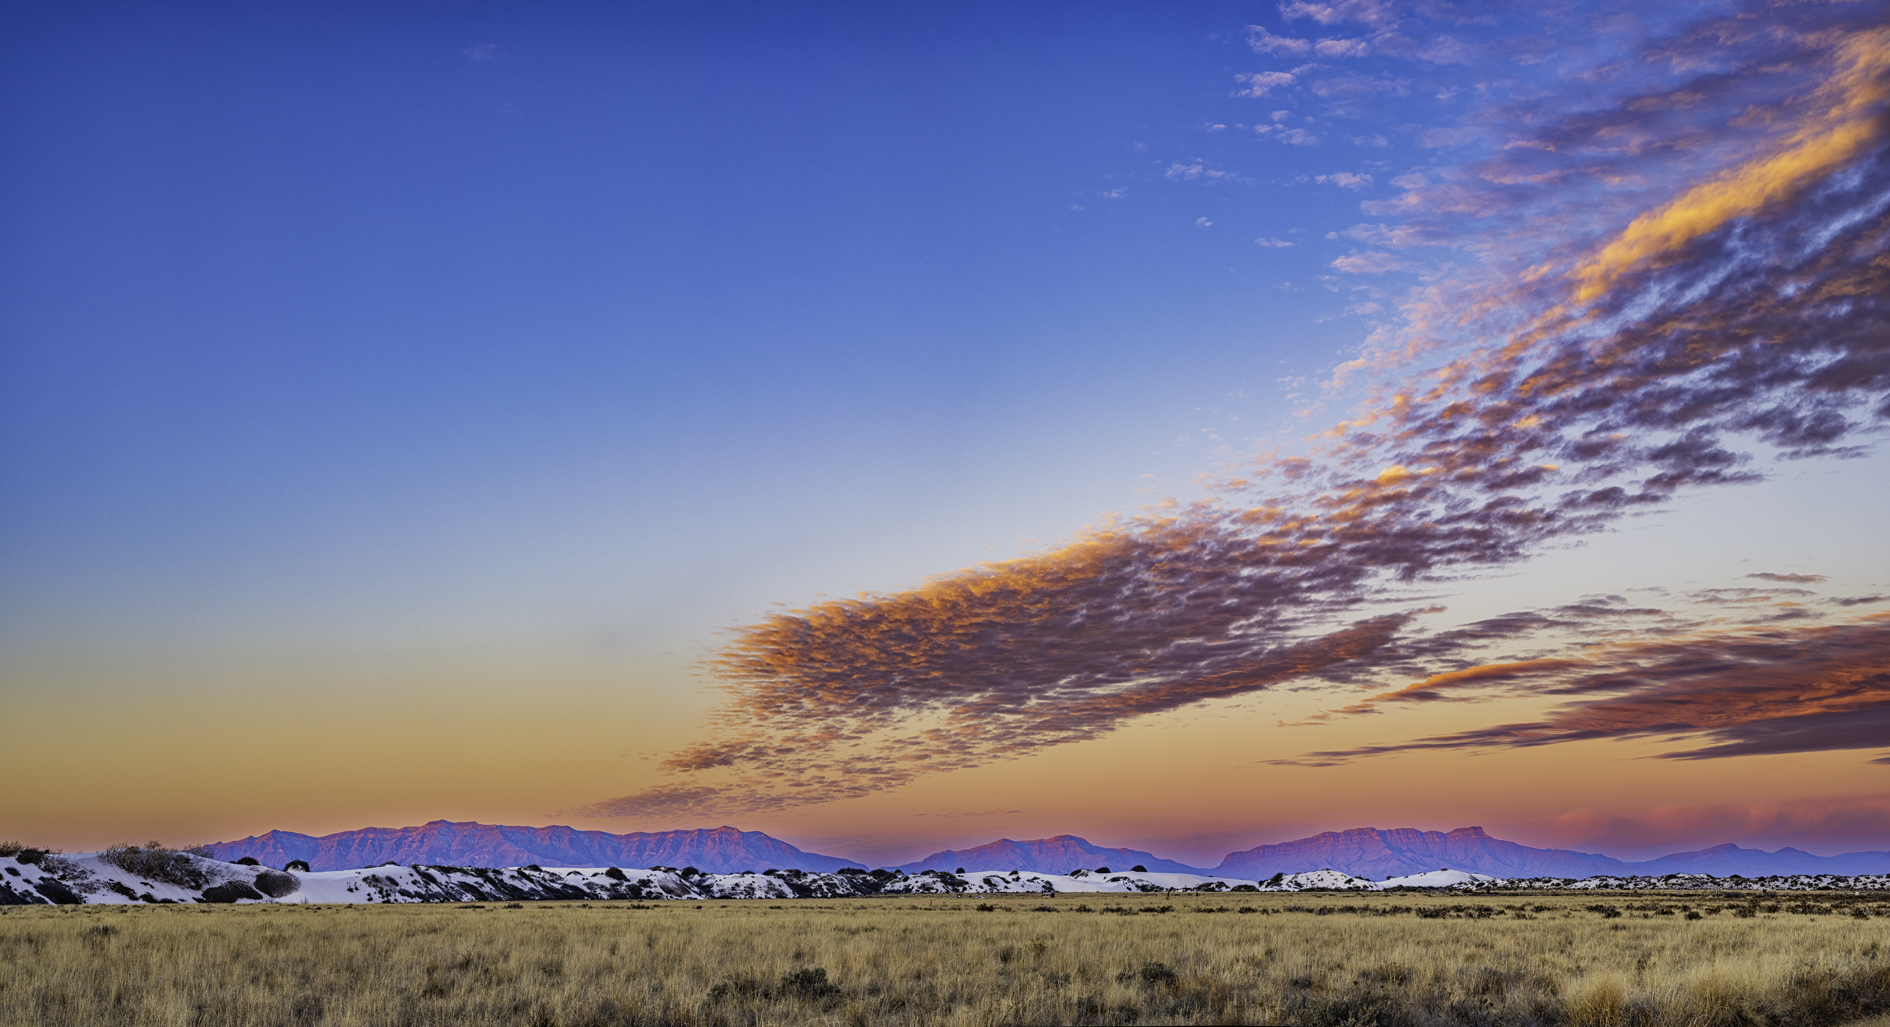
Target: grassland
1259,959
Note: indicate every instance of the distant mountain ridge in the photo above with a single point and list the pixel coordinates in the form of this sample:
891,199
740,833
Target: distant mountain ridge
719,850
1059,855
1369,852
1362,852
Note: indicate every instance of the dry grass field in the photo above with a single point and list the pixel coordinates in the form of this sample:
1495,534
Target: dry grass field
1255,959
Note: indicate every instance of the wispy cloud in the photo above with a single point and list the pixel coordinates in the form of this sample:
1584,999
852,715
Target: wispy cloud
1345,179
1685,291
1749,692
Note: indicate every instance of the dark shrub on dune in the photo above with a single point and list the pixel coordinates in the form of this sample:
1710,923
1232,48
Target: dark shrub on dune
230,891
276,884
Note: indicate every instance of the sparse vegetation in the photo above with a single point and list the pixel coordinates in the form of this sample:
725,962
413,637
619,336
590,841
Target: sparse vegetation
1394,960
154,862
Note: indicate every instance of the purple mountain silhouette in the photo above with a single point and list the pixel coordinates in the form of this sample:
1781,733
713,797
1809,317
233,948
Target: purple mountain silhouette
717,850
1369,852
1364,851
1059,855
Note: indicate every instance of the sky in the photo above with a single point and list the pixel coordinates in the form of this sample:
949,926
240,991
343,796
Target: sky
1189,426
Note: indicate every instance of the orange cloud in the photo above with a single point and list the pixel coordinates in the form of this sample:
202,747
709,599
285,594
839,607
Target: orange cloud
1846,118
1755,691
1749,309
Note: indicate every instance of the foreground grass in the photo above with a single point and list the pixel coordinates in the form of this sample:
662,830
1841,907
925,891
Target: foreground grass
1266,959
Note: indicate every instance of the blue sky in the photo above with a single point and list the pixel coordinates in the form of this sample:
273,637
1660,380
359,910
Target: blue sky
500,354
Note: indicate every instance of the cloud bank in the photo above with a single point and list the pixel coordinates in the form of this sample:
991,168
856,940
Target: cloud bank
1656,287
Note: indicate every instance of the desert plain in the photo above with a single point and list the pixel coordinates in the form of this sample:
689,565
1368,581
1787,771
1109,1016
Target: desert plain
1307,959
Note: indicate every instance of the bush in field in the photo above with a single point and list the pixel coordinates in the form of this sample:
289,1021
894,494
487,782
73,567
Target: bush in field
298,864
276,884
153,862
249,861
11,848
810,983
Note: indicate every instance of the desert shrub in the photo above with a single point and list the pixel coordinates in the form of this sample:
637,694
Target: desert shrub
1138,869
72,874
248,861
32,856
615,874
1100,870
298,864
738,988
152,861
1151,973
810,982
11,848
276,884
230,891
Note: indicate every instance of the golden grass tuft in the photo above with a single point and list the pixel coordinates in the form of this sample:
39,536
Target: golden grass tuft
1268,959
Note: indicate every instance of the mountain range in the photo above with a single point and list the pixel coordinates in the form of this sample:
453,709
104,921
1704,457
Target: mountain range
442,842
1057,855
1362,852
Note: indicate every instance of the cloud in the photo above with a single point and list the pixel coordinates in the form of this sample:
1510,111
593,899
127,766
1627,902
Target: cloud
1369,12
1342,48
663,800
479,53
1198,171
1396,237
1261,83
1751,692
1644,292
1263,41
1353,87
1290,136
1371,262
1791,579
1345,180
1272,243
